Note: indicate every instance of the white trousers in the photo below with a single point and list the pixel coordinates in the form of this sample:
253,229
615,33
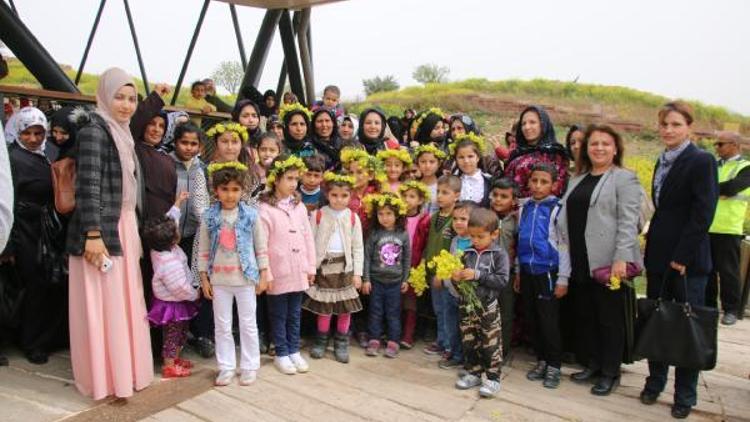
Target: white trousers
224,297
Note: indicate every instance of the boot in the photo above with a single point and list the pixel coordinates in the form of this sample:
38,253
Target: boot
341,348
318,348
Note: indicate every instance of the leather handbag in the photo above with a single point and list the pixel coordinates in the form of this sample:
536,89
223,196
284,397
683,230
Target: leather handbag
676,333
602,274
64,185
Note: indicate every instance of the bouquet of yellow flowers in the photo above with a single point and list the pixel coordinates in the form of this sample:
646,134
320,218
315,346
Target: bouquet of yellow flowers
418,278
445,264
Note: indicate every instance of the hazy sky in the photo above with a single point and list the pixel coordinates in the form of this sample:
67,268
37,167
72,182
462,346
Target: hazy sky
689,48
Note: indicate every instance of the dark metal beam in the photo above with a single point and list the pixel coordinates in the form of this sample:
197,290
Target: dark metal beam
304,53
13,6
32,53
238,35
262,46
190,51
282,82
137,48
309,44
290,56
90,41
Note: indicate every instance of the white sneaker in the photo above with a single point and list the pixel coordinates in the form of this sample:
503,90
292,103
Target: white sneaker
247,377
468,381
284,365
489,388
224,378
299,363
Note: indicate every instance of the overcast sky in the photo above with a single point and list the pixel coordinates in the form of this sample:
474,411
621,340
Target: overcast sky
694,49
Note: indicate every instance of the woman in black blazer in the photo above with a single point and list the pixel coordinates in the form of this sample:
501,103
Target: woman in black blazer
685,192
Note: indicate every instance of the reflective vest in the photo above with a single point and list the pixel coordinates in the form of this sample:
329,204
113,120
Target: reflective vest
730,212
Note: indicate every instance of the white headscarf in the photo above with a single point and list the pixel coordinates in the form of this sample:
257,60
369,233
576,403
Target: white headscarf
26,118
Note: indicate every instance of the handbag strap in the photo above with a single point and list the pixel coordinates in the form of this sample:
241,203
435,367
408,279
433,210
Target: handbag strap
665,280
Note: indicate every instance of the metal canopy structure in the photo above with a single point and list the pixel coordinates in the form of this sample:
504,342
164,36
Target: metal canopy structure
295,32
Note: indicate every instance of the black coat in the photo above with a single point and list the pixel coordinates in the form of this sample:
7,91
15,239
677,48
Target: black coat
687,202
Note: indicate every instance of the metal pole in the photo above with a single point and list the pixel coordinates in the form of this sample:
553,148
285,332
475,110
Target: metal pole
13,6
282,82
137,48
262,46
290,56
90,41
190,51
304,53
310,43
238,35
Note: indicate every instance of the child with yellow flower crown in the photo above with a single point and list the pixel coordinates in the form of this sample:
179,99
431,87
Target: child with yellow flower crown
368,178
285,250
430,161
386,270
467,152
339,258
395,162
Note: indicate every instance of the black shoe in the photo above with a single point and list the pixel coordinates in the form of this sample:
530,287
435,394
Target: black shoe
341,348
3,360
318,348
680,412
205,347
587,375
537,373
37,357
648,397
605,385
729,318
552,377
262,343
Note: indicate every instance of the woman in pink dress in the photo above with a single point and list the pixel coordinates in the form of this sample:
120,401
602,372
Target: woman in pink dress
110,346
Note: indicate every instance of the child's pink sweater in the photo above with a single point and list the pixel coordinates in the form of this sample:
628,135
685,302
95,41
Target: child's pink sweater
286,246
172,278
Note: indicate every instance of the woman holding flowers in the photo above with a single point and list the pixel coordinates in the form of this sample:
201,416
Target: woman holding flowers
599,218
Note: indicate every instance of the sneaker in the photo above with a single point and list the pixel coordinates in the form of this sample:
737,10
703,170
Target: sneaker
284,365
406,345
183,363
489,388
224,378
537,374
372,348
247,377
433,349
552,377
174,371
462,372
299,362
362,340
391,349
729,318
468,381
449,364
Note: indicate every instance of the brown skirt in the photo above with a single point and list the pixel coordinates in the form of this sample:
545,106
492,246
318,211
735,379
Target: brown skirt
333,292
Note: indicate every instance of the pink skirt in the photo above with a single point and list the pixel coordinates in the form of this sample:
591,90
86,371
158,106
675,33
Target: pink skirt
110,345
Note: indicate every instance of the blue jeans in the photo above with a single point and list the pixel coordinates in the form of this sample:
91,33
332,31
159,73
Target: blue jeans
385,302
685,380
284,313
438,304
452,331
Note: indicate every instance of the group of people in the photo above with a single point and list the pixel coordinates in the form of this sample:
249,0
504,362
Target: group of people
358,219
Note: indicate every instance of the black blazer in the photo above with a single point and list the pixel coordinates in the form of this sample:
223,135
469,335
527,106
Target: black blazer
687,202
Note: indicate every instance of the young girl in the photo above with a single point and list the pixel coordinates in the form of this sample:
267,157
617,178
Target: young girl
174,302
395,162
429,161
269,147
415,195
286,257
228,270
386,269
247,114
368,178
467,152
339,255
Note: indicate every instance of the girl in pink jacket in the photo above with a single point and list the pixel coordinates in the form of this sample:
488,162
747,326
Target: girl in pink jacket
285,251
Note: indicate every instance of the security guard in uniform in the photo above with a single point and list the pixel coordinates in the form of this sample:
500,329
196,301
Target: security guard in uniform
727,228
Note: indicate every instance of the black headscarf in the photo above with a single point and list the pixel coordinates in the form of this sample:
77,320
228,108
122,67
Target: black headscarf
292,145
265,111
329,148
469,124
371,145
424,131
254,134
62,118
547,141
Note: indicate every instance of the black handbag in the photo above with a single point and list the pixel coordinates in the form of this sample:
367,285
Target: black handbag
676,333
51,254
12,292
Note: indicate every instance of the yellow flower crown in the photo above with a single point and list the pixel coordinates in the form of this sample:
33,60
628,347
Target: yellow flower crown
366,161
213,168
281,167
220,128
374,201
418,186
420,118
288,108
401,154
330,176
350,154
429,149
476,139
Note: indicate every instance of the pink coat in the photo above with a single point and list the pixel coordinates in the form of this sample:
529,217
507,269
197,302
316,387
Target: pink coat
286,248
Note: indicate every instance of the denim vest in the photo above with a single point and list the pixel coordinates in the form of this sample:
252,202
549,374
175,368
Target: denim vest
247,217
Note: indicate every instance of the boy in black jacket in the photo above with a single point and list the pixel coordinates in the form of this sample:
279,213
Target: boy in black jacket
486,266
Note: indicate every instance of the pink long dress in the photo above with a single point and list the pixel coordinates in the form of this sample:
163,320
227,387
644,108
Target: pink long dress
110,346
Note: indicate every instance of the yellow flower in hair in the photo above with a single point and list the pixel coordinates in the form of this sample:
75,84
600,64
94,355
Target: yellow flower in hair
281,167
374,201
213,168
401,154
330,176
350,154
474,138
288,108
416,185
429,149
237,128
